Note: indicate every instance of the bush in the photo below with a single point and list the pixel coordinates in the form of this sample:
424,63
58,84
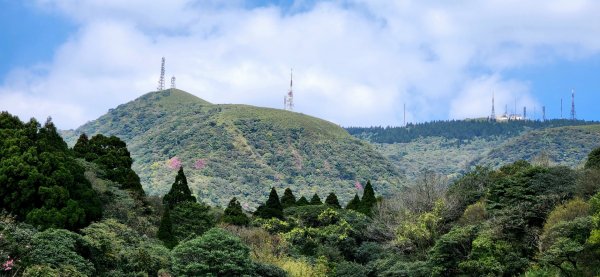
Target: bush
58,248
350,269
216,253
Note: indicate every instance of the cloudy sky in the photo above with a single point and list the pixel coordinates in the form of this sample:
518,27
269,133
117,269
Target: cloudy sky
355,63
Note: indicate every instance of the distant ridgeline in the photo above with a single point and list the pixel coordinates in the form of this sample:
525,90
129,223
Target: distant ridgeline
457,129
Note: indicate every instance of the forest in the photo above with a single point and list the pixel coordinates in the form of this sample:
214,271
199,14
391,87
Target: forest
81,211
457,129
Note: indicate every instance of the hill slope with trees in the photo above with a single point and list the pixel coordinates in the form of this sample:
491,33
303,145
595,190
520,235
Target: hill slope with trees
239,150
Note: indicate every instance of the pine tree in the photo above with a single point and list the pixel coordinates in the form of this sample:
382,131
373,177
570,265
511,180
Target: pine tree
82,147
354,204
288,199
332,200
315,200
234,214
368,200
180,192
165,231
302,201
272,208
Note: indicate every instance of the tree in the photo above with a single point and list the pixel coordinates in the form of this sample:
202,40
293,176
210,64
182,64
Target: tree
165,230
368,200
315,200
288,199
191,219
332,200
302,201
593,161
354,204
234,214
180,192
216,253
57,248
272,208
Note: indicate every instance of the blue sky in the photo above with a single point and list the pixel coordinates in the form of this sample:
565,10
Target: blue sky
356,62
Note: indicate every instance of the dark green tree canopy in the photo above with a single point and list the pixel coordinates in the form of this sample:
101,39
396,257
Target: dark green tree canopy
354,204
234,214
593,159
111,154
315,200
272,208
40,181
180,192
165,230
302,201
332,200
288,199
368,200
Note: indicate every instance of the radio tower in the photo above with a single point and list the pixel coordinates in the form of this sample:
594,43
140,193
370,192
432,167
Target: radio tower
493,116
161,81
543,113
524,113
561,114
288,101
573,114
173,82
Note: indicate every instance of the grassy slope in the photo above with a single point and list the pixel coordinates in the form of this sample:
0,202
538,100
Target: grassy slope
247,149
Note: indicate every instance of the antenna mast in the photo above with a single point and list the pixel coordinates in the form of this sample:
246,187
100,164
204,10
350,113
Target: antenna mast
404,114
561,114
493,116
173,82
543,113
524,112
573,115
161,81
288,101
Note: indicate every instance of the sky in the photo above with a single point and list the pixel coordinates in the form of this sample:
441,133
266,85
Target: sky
355,63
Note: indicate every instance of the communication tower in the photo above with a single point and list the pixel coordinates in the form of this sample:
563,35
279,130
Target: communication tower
543,113
288,100
493,115
573,114
161,81
173,82
524,112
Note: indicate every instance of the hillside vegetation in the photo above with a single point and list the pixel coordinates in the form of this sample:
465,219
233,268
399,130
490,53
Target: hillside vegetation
239,150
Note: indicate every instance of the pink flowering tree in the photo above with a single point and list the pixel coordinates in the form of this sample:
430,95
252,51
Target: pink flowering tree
199,164
174,163
9,264
358,186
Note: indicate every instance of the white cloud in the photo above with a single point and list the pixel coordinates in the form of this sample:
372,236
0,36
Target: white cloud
355,63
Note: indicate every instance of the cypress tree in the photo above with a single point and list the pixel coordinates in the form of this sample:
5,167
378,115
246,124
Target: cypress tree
315,200
234,215
332,200
302,201
288,199
354,204
180,192
165,231
368,200
272,208
82,147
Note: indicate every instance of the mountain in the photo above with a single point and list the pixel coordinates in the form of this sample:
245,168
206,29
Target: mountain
568,146
452,148
239,150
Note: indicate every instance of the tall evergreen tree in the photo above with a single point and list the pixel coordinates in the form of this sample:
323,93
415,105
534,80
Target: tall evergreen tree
302,201
180,192
354,204
332,200
288,199
165,230
368,200
272,208
234,214
315,200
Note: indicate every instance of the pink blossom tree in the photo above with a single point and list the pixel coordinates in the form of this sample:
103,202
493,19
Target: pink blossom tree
358,186
174,163
200,164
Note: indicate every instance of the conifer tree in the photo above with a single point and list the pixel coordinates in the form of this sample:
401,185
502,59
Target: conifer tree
302,201
288,199
234,214
315,200
272,208
165,230
332,200
354,204
368,200
180,192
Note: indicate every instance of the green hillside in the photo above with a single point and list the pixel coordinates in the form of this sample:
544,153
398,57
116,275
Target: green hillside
239,150
566,146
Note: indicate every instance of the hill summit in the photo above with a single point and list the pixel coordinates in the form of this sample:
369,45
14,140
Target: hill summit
239,150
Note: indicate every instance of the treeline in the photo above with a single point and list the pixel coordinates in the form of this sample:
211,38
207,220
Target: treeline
457,129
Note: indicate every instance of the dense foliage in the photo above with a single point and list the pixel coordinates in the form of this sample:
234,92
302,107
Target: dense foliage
40,180
457,129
